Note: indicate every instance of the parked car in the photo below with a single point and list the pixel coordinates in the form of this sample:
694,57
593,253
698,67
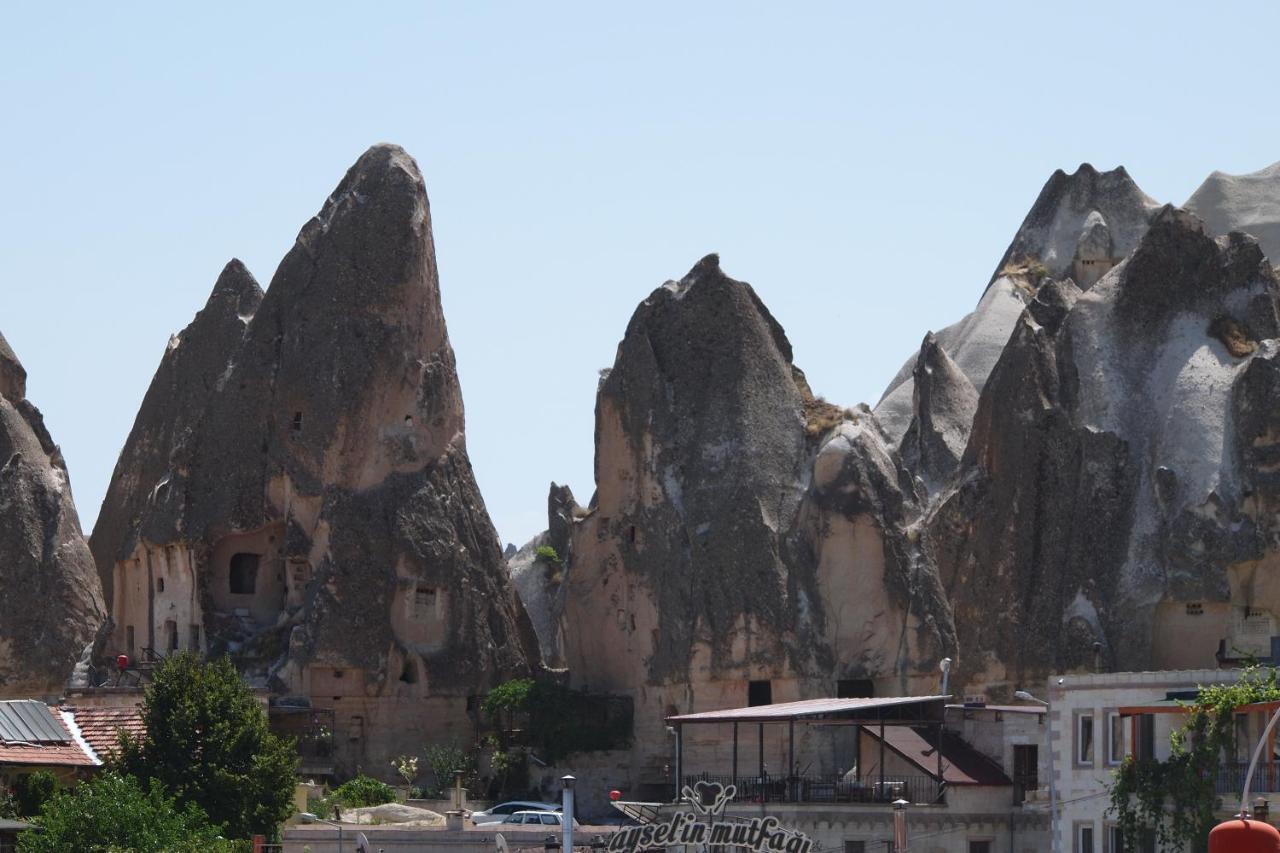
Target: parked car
528,818
502,811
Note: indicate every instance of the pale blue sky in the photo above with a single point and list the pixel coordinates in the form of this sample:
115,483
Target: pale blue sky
863,167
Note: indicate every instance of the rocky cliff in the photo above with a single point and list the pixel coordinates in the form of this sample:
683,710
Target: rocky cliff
296,488
51,607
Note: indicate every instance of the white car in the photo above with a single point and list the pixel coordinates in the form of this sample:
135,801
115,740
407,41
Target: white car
531,818
501,812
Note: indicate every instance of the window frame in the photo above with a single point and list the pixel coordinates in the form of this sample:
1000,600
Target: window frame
1077,742
1113,718
1077,839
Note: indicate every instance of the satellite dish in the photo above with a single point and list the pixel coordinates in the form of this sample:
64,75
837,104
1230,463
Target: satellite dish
501,842
362,843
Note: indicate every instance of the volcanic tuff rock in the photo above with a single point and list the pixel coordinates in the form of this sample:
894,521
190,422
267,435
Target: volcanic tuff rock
741,529
1249,203
943,408
298,474
51,607
1080,226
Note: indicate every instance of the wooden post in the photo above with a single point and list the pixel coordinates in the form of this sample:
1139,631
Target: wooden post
882,758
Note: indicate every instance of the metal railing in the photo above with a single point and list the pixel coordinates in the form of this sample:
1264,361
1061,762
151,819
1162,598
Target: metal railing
833,788
1230,777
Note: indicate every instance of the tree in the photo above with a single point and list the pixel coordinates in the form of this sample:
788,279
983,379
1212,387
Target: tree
1175,801
208,743
113,812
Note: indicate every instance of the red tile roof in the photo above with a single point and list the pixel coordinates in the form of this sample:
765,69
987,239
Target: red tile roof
66,754
100,727
961,763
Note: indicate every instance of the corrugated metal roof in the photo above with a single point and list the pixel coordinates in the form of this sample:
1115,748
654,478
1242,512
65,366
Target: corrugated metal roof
961,763
803,708
29,721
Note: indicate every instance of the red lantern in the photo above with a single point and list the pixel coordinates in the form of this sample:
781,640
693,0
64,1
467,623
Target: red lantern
615,795
122,662
1244,836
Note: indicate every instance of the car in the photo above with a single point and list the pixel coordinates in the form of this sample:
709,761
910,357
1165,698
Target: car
502,811
535,818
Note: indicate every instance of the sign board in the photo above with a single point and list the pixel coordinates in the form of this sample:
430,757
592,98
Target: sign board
703,825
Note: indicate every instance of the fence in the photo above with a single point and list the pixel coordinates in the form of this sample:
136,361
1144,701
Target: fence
832,788
1230,778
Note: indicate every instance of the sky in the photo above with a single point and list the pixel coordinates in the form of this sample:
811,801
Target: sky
863,166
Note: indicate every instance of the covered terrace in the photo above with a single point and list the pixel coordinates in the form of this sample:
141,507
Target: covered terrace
864,750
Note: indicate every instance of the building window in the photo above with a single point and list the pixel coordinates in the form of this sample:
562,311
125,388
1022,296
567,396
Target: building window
297,421
1026,770
194,636
1084,838
1195,608
855,688
244,573
1084,739
851,846
1115,738
159,584
171,635
980,846
759,693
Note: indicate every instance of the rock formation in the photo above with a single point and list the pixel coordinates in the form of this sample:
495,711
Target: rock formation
1248,203
742,530
296,489
51,603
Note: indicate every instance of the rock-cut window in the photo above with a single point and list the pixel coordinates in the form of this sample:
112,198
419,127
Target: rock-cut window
244,574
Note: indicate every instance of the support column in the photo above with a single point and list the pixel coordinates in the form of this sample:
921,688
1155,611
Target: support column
679,761
791,759
881,792
735,755
763,788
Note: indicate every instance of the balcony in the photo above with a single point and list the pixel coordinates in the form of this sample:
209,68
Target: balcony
1230,778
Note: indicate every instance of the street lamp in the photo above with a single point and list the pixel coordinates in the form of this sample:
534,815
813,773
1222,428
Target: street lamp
1053,787
308,817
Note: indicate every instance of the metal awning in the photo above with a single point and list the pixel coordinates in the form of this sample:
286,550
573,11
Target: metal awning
29,721
807,709
639,812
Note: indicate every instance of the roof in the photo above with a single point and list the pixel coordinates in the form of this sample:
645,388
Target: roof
65,753
7,825
961,763
100,727
29,721
804,708
1005,709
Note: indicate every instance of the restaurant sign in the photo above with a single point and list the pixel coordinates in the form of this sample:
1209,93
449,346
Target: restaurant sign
705,826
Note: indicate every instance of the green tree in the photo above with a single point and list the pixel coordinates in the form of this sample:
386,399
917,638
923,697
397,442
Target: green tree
207,742
32,790
1174,800
114,813
363,791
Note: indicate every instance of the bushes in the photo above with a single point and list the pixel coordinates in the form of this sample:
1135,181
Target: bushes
565,721
33,790
113,812
362,791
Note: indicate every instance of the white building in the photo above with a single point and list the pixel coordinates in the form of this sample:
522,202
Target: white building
1095,721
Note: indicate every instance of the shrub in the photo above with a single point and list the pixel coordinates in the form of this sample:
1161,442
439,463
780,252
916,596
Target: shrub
32,790
547,554
443,760
362,791
114,812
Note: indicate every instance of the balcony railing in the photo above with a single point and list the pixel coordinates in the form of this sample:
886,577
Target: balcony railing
1230,778
832,788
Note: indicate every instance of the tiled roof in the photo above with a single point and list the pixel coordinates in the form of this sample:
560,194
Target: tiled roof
961,763
100,727
67,753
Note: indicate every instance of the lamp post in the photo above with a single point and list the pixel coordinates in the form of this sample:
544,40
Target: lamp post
566,813
1053,786
308,817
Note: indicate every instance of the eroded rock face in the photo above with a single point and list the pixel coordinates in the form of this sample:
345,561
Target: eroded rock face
1102,487
742,530
51,604
943,409
1248,203
296,488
